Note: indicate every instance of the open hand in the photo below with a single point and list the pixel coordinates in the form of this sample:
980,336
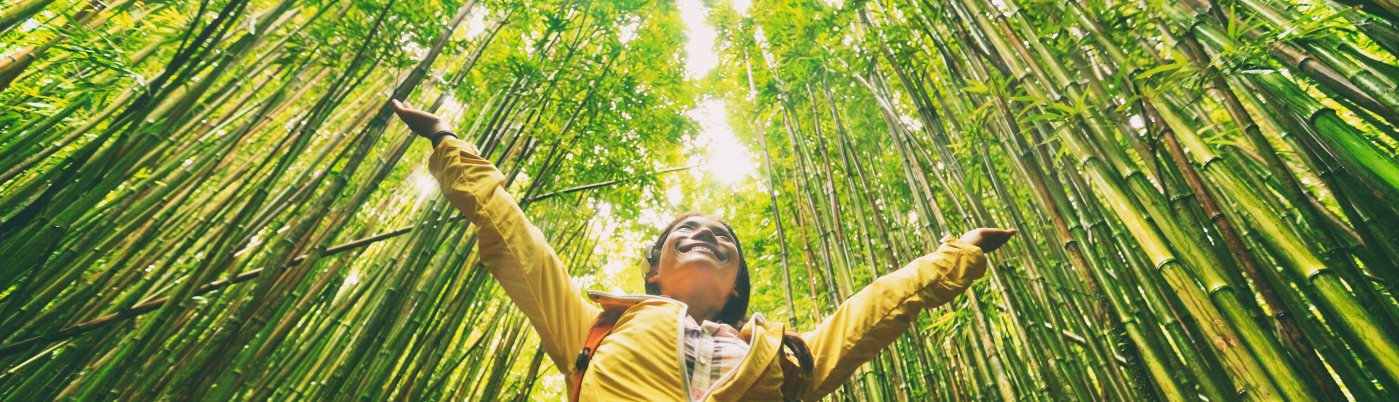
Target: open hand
988,239
421,122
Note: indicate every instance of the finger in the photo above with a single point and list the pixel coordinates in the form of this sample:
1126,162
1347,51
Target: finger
397,106
1002,235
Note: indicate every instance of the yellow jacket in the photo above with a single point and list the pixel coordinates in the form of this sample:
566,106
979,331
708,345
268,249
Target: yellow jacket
643,357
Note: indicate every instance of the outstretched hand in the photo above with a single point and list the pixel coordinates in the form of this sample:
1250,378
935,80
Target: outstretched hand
988,239
421,122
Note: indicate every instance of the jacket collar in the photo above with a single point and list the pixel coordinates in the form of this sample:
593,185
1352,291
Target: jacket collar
619,302
765,340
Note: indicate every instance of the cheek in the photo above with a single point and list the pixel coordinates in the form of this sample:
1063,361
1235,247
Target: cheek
668,255
668,260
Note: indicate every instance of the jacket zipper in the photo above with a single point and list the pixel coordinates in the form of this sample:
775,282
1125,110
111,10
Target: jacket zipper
680,349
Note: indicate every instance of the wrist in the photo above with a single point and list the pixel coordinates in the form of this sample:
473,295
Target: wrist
437,137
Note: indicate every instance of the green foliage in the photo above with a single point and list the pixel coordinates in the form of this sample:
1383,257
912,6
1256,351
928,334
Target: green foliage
1205,190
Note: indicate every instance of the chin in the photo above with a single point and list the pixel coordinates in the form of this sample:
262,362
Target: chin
694,287
696,271
697,261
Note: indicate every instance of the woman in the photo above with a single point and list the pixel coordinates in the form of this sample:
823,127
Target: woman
689,338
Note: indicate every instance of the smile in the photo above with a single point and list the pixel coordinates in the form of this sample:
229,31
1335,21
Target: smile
700,248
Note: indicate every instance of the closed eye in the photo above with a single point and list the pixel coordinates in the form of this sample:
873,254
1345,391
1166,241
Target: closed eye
718,232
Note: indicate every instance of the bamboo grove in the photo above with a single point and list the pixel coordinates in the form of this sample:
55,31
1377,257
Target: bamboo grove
208,199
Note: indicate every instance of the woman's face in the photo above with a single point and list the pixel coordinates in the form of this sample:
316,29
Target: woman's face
698,264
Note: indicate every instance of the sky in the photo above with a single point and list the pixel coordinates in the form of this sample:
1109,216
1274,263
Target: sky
728,160
699,49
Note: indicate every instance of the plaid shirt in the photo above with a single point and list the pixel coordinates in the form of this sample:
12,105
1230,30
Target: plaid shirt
712,352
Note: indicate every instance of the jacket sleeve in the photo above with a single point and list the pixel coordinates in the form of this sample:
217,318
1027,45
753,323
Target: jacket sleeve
516,253
874,317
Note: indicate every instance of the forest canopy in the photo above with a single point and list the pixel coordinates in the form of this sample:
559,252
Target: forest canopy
210,199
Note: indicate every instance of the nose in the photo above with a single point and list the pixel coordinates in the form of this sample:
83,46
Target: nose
706,234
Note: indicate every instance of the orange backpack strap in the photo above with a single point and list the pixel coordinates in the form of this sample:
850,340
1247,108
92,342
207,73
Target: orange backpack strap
601,327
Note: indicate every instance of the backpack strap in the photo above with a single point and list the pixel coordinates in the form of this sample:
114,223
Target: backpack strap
793,377
602,326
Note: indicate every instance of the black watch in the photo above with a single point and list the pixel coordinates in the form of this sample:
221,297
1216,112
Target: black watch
438,135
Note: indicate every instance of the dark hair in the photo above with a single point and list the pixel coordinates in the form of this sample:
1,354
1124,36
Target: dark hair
735,312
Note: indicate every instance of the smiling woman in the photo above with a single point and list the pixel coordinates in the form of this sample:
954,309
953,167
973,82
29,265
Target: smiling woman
690,338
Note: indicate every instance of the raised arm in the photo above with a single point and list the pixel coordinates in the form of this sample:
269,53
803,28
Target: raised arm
874,317
516,253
